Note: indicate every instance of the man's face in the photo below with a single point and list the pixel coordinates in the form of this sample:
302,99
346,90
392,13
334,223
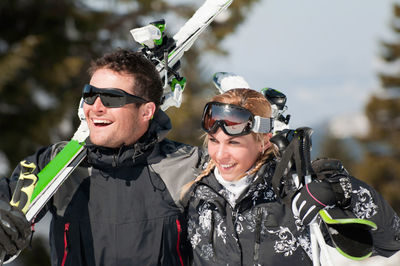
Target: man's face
114,127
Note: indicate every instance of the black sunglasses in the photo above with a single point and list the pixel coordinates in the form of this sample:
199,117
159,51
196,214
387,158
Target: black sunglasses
110,97
233,120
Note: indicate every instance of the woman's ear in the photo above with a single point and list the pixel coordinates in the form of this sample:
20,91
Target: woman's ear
147,111
266,142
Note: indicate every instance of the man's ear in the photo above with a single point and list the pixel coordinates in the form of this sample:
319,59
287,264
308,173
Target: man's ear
147,111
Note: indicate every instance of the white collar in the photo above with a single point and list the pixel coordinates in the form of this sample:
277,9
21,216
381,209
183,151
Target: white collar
234,188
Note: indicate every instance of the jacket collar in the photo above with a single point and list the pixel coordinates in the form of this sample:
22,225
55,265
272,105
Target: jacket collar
135,153
261,181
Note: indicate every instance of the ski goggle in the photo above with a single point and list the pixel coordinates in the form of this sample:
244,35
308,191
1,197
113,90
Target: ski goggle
112,98
233,120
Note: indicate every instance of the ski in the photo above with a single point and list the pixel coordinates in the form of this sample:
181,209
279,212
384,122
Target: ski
51,177
166,52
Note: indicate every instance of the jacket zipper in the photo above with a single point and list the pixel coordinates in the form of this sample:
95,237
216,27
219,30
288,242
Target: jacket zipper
213,236
257,235
66,247
178,250
114,161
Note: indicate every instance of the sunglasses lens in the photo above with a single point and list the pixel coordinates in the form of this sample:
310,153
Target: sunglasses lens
112,99
233,119
109,97
88,95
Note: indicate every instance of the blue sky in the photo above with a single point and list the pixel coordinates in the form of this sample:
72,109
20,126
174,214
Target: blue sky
322,54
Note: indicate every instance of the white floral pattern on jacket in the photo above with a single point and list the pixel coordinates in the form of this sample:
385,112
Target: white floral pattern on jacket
210,229
261,230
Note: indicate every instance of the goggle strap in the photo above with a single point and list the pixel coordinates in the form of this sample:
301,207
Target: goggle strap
263,124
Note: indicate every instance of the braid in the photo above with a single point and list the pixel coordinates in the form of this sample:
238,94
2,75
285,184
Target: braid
209,168
206,172
260,162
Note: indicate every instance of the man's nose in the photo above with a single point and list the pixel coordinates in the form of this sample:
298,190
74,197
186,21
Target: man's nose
98,105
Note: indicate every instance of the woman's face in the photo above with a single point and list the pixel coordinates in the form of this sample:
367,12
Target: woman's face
234,155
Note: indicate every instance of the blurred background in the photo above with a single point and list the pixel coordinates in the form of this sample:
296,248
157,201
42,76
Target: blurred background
336,61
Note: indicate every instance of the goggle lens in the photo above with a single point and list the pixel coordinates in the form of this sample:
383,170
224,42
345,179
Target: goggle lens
233,120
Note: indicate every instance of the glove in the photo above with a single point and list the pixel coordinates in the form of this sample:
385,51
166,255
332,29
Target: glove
333,171
327,167
320,194
15,230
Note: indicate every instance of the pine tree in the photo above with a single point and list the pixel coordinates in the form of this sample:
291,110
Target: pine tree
381,164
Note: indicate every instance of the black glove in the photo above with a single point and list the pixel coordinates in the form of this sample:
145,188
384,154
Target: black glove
333,188
15,230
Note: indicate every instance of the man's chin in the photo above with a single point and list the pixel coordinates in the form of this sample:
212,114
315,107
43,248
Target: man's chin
103,141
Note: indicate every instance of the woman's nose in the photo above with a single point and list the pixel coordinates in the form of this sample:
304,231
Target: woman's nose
221,152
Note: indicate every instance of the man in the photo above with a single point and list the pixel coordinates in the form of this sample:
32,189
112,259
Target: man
120,206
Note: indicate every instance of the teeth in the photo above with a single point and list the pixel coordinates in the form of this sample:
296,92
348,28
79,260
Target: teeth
99,121
227,165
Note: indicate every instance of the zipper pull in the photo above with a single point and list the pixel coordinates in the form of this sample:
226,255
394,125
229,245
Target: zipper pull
114,162
257,232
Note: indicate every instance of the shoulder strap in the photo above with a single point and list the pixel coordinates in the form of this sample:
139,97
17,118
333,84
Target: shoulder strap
292,160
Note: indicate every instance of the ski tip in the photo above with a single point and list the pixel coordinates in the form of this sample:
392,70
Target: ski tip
225,81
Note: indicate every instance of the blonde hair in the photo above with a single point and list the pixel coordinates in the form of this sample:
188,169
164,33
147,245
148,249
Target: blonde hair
257,104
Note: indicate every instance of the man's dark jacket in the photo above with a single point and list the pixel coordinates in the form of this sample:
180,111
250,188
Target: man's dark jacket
121,206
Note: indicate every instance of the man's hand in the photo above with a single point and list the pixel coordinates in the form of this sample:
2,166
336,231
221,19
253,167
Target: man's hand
15,230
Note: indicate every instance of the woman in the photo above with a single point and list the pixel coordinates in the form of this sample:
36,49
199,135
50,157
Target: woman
234,215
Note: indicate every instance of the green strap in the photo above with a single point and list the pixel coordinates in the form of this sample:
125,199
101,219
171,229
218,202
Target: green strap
329,220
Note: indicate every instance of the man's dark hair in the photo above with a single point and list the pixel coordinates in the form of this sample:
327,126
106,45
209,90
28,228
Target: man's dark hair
147,84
